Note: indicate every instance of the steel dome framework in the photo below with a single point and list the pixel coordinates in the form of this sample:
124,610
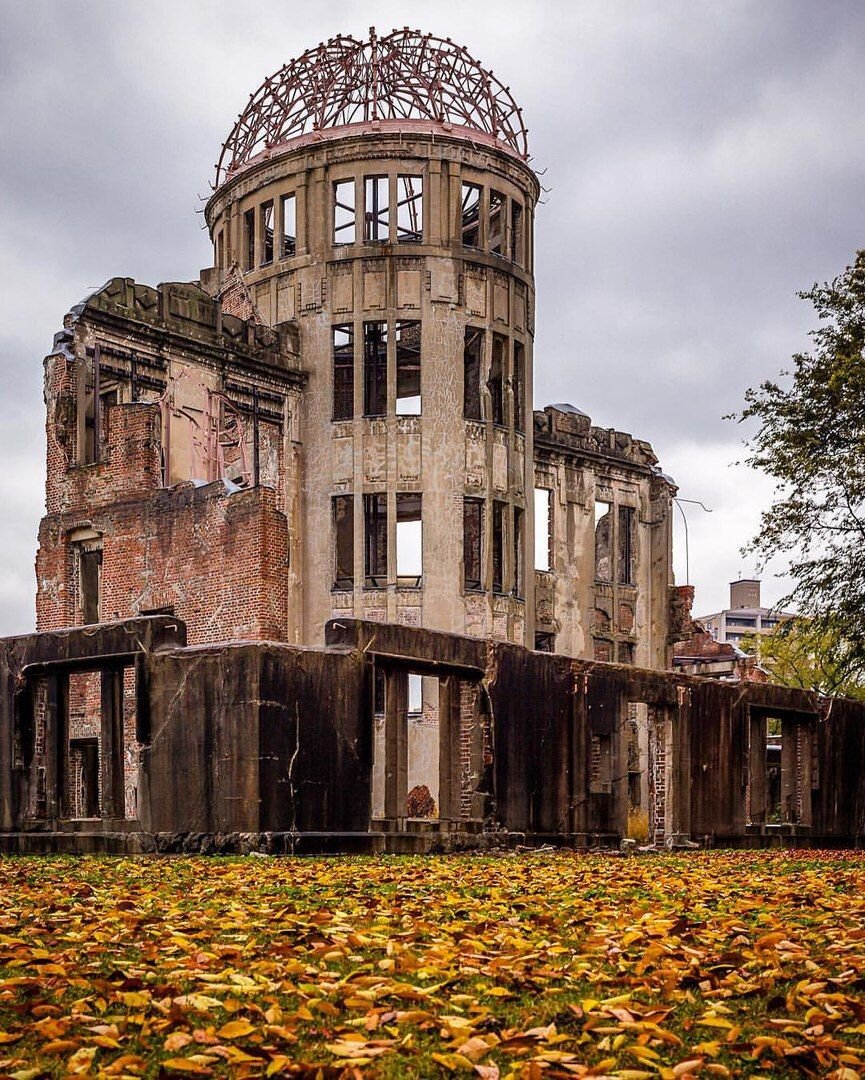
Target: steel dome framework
403,76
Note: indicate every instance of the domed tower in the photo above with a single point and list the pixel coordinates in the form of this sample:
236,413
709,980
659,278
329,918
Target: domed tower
376,196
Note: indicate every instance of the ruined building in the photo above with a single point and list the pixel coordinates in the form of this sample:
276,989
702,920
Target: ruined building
320,538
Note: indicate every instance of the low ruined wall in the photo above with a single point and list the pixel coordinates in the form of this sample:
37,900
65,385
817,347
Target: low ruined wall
255,738
251,743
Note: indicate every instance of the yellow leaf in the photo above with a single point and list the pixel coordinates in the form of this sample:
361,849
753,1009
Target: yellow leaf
186,1065
235,1029
135,999
81,1060
454,1062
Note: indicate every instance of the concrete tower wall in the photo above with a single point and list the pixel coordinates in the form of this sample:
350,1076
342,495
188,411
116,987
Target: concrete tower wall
355,443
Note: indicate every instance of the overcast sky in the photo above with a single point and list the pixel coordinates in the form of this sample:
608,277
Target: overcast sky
704,162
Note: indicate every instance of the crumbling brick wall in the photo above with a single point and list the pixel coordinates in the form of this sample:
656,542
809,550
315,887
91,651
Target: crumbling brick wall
217,559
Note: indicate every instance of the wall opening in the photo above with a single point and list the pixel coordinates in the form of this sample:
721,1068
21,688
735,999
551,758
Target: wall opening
343,372
626,568
498,546
543,528
638,770
495,382
603,541
422,798
375,539
473,527
267,232
343,212
408,368
774,757
288,240
374,368
409,540
519,544
516,232
409,209
519,386
343,530
496,223
471,215
88,556
472,349
249,238
84,778
376,216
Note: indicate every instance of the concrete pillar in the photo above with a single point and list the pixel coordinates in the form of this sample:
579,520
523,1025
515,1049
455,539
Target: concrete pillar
396,744
449,749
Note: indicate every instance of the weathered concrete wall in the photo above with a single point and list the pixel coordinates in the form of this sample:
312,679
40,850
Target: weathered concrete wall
604,598
446,287
265,744
250,738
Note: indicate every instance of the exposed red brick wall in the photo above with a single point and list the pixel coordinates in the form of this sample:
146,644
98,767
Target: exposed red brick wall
217,559
130,464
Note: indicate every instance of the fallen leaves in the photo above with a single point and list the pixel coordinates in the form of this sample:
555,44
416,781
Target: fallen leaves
505,968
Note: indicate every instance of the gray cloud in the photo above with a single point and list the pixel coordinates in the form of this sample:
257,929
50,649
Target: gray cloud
704,160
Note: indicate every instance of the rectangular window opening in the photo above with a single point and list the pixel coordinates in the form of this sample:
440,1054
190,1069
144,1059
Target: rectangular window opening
249,234
343,372
408,399
90,584
267,232
603,542
375,539
288,244
220,248
107,398
375,369
472,351
545,641
498,546
343,212
376,217
518,552
519,386
626,545
84,777
409,541
473,526
409,209
471,215
422,756
543,528
496,223
496,380
343,529
516,233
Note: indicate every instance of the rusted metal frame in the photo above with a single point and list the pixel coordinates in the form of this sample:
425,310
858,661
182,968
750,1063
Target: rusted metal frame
403,75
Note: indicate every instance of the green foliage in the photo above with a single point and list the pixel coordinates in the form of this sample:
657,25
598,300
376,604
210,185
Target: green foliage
812,656
811,439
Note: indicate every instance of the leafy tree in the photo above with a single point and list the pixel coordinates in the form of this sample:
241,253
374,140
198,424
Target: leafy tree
811,439
811,656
